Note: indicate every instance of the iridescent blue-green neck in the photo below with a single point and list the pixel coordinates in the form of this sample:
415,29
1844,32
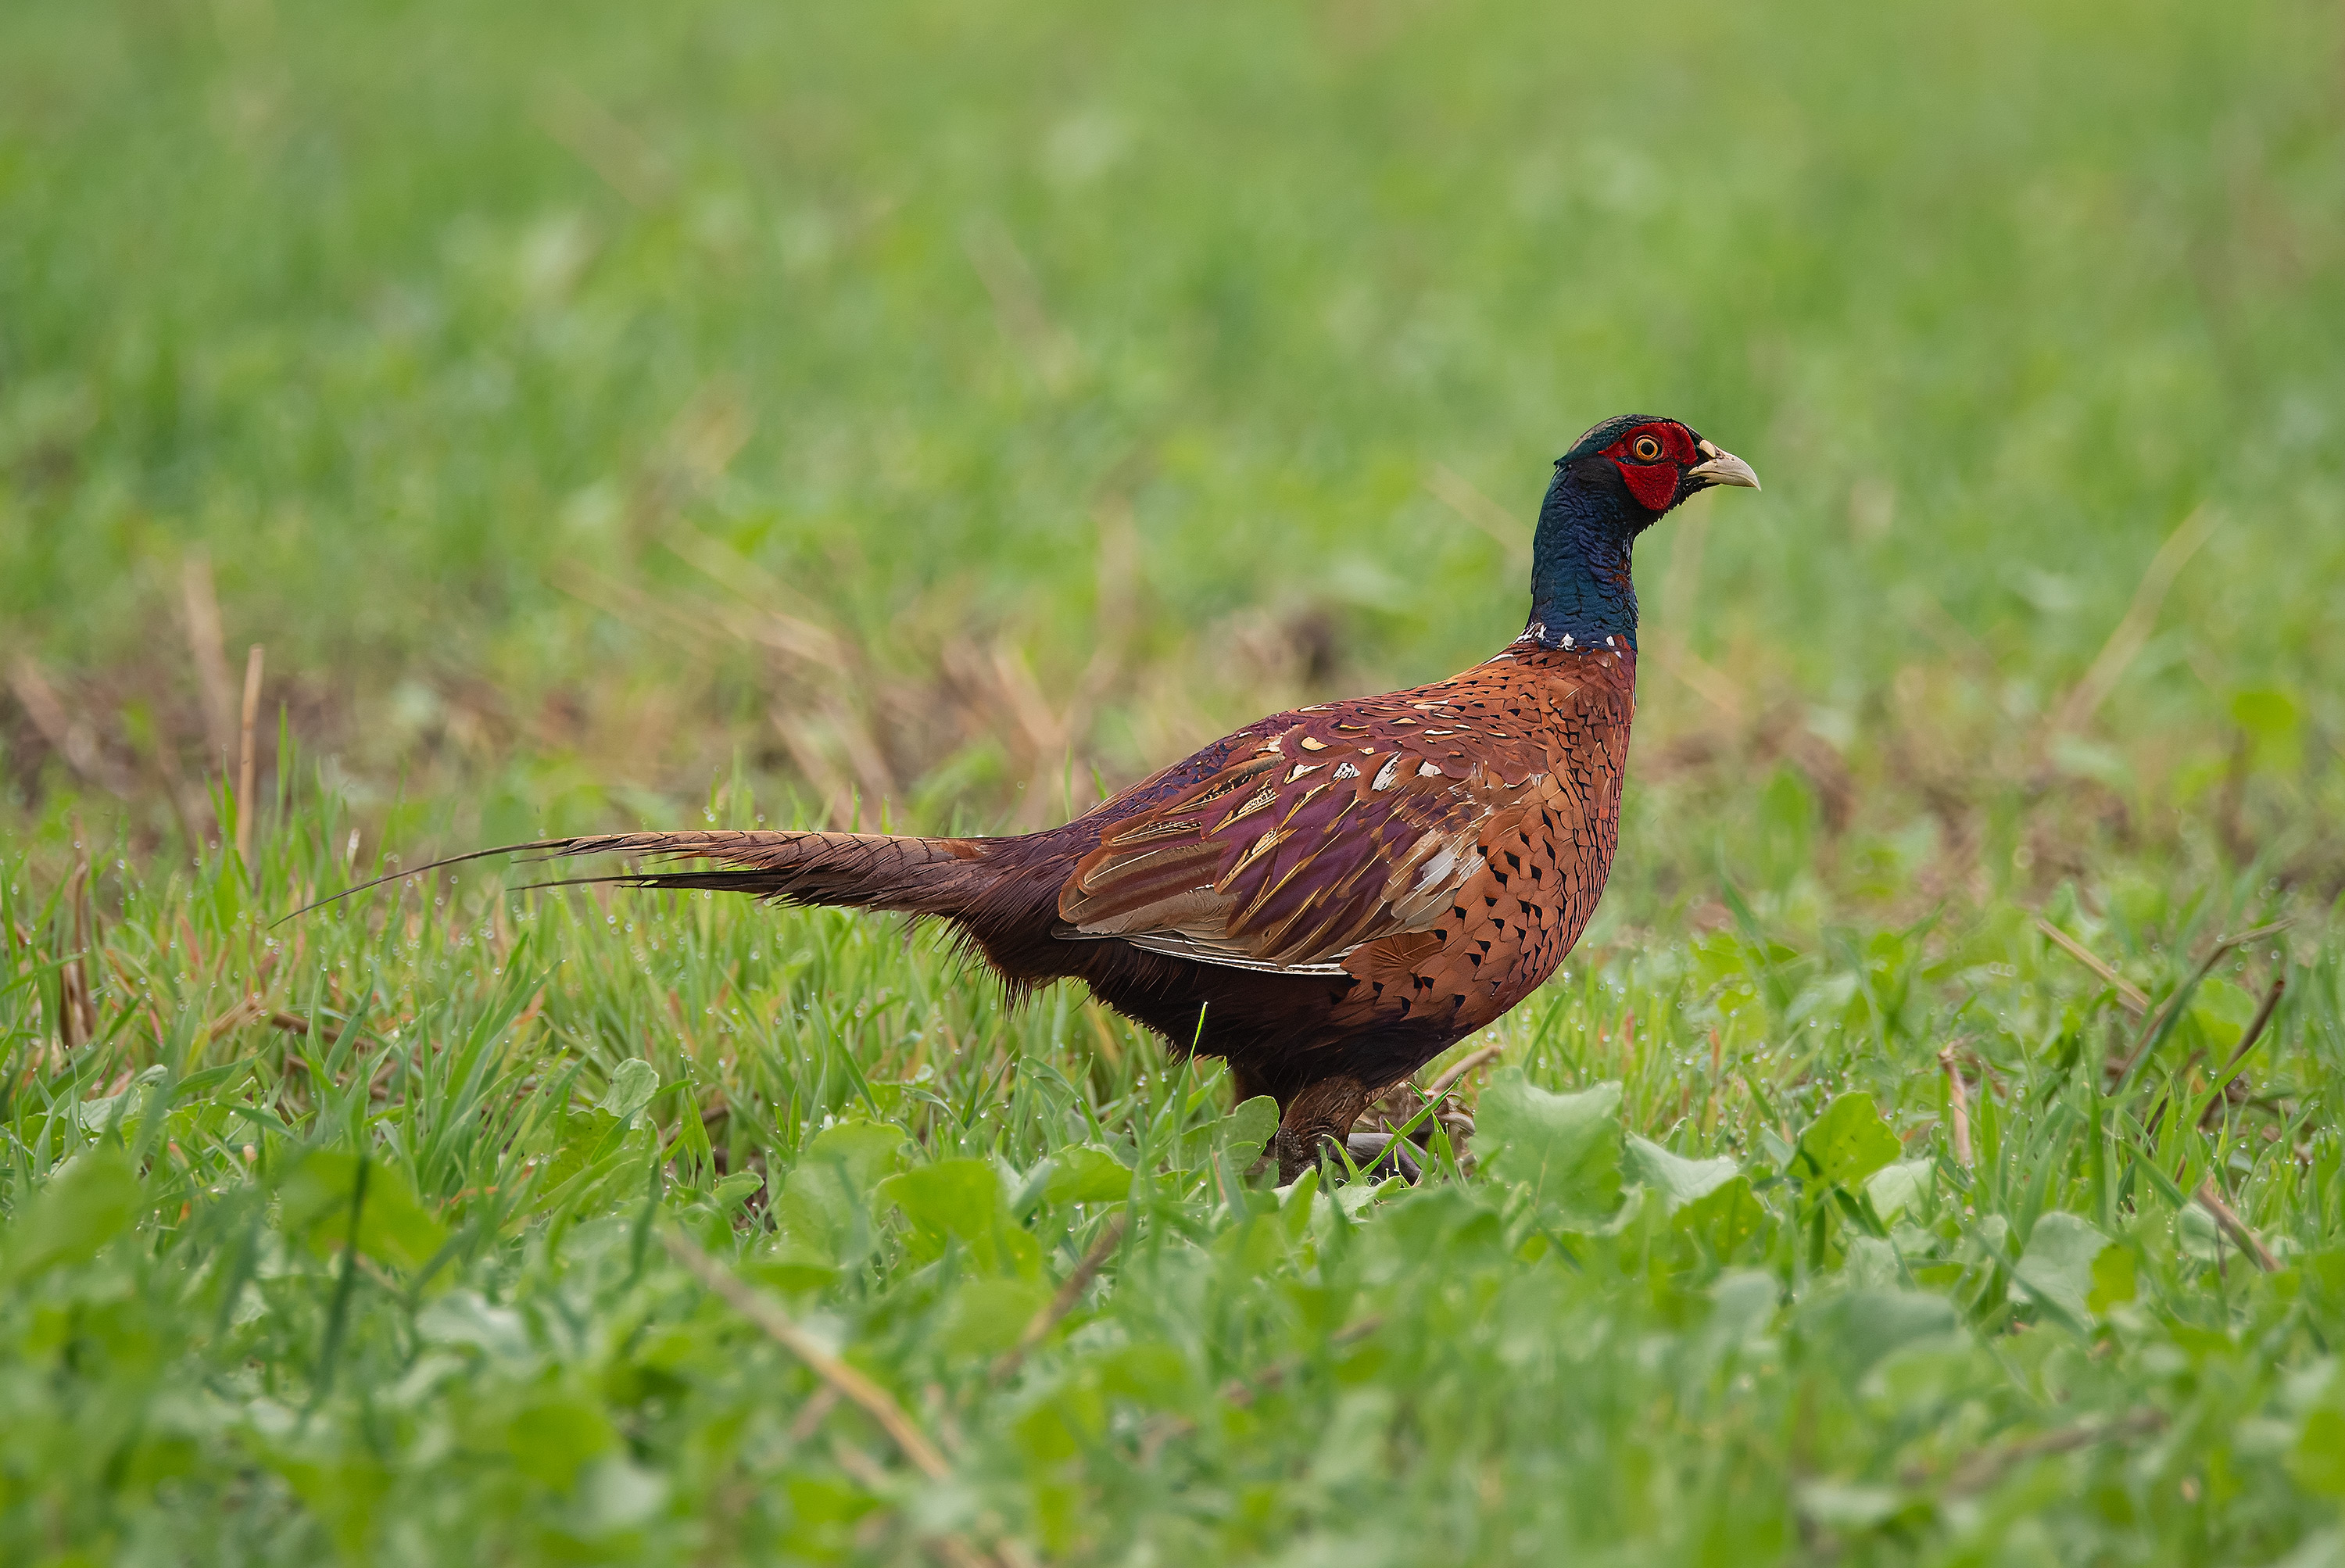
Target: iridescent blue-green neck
1582,590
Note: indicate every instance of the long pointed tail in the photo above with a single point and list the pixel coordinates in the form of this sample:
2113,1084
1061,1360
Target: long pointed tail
865,871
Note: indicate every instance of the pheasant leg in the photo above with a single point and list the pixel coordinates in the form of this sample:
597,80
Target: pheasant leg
1380,1154
1320,1117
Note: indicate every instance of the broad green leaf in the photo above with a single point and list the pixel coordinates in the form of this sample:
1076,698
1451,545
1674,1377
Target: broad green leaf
1084,1175
1245,1133
86,1202
1249,1126
1153,1375
465,1318
1678,1181
1725,1218
1253,1245
736,1189
587,1135
986,1316
601,1160
556,1432
342,1487
2318,1460
1858,1327
1847,1144
2114,1281
2221,1013
2274,723
97,1115
632,1084
2195,1233
1564,1147
954,1197
2057,1266
962,1200
315,1207
1894,1188
824,1209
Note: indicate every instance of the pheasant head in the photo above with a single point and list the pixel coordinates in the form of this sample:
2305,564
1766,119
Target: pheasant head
1616,481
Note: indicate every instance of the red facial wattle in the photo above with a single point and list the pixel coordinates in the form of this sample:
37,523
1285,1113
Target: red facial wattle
1651,474
1654,484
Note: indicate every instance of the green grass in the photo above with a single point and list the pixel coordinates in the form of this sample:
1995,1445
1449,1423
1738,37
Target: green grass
607,416
1806,1328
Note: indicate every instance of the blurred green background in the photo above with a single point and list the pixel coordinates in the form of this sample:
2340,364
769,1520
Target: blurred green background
952,402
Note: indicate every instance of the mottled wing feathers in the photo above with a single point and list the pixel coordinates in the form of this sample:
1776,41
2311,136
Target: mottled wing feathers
1338,826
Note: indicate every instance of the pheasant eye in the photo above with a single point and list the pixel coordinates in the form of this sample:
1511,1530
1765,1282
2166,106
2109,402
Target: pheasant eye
1647,449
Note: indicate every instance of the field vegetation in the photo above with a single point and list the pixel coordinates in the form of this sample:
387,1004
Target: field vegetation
936,416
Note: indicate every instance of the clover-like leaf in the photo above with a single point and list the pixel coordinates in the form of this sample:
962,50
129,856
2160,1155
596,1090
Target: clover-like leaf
332,1190
632,1084
86,1202
1679,1180
1564,1147
1846,1144
2057,1266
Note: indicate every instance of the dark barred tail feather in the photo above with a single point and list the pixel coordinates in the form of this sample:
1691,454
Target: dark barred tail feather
858,870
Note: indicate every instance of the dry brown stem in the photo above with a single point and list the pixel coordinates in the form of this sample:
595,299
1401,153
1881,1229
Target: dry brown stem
1464,497
604,143
207,649
1958,1106
2132,630
248,761
2256,1025
2150,1030
1048,1317
844,1380
1459,1068
76,1008
67,733
2135,1000
2235,1227
1981,1469
784,1331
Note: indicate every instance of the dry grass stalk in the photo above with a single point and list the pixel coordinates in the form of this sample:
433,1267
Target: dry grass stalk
843,1379
1048,1317
2235,1227
1958,1106
247,760
208,649
598,139
2156,1027
2137,1002
1459,1068
2132,631
76,1008
67,733
1017,305
249,1010
1464,497
1245,1390
784,1331
2256,1025
1983,1468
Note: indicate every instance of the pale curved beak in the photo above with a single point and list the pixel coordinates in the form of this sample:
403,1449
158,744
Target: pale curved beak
1723,468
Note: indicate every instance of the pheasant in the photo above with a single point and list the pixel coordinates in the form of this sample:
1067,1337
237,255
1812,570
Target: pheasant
1332,896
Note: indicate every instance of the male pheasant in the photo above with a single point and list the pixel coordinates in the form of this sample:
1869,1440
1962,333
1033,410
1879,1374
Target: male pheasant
1332,896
